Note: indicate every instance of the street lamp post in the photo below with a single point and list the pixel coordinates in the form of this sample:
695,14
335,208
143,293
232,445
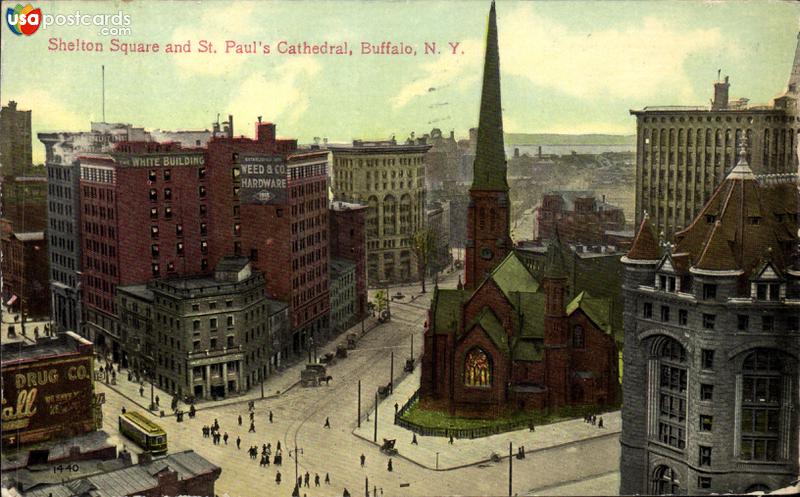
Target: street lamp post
510,469
359,403
391,373
412,347
375,432
296,460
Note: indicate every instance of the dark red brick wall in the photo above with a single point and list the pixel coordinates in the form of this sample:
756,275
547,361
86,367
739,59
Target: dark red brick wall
484,231
348,241
582,225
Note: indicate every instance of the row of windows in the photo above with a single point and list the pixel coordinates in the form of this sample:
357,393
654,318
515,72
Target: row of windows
709,320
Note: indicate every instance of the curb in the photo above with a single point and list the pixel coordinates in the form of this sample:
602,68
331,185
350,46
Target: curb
482,461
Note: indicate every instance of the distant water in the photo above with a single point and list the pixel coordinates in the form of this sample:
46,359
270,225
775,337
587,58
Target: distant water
568,149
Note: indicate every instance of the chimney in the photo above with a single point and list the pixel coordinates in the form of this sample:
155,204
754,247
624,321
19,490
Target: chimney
516,152
720,95
452,135
540,151
230,126
265,133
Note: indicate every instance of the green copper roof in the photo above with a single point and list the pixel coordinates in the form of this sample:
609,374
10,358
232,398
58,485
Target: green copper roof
526,350
447,309
493,327
530,306
597,309
511,275
490,156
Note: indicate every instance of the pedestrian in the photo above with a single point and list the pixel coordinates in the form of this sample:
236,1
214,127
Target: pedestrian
238,442
594,420
157,400
600,423
252,427
299,481
270,416
316,479
307,479
396,407
278,478
375,491
216,424
345,493
264,448
531,427
123,411
141,391
414,439
389,465
278,447
262,463
327,479
451,439
327,422
240,420
225,438
381,491
296,492
363,458
252,415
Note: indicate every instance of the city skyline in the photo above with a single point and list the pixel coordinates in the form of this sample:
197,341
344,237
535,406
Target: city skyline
620,56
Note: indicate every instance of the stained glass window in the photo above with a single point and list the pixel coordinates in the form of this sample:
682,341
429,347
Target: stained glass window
477,370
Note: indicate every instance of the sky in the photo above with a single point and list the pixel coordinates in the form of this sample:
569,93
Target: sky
566,66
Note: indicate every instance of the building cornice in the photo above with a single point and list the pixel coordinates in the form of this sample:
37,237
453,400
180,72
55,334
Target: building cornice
639,262
712,272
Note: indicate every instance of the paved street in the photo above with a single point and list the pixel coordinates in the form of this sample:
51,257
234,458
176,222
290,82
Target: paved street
299,418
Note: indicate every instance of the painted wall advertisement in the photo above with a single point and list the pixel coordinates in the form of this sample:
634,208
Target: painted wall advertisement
47,398
263,178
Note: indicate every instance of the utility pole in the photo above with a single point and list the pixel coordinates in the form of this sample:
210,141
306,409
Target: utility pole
359,403
510,469
296,460
375,433
366,486
152,401
391,373
412,347
261,377
437,460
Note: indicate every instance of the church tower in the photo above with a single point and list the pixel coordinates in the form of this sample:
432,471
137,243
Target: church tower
489,211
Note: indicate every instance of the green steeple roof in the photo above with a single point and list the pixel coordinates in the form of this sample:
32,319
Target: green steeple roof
490,156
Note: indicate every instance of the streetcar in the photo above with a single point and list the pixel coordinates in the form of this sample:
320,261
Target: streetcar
147,435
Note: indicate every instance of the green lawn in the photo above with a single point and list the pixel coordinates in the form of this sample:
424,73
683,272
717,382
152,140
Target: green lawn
438,419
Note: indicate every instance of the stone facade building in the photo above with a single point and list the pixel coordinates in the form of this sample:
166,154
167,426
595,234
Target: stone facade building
343,294
712,346
684,153
208,337
389,178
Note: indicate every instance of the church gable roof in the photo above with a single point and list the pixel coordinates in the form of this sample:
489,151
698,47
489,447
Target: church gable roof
511,275
447,309
598,310
527,350
530,307
489,323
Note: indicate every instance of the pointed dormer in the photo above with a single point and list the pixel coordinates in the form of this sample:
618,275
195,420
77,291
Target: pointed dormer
644,249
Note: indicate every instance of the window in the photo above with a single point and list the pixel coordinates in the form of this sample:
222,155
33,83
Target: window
683,317
201,172
253,254
213,343
704,482
706,391
151,175
167,193
665,481
706,422
647,312
762,392
742,322
230,341
237,229
196,345
761,291
154,213
767,323
204,264
792,323
578,339
707,357
672,394
179,248
203,210
708,321
477,369
212,305
203,229
204,247
709,291
195,308
229,303
155,269
230,320
212,323
705,456
665,313
202,193
153,195
167,174
154,250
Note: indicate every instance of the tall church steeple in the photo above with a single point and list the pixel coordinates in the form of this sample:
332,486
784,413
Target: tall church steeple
794,77
489,215
489,167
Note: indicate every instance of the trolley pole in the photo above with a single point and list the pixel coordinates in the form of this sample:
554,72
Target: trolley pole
375,433
391,373
359,403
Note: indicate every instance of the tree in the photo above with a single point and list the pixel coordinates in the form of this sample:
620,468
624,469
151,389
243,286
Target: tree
381,301
423,244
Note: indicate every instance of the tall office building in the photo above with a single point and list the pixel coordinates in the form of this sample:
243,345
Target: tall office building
389,178
15,140
684,153
711,346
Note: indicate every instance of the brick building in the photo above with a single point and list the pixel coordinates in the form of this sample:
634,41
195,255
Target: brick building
15,140
144,215
684,153
25,277
283,228
348,241
580,218
505,341
711,346
343,294
389,178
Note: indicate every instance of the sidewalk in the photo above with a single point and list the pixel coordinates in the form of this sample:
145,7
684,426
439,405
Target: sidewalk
464,452
276,384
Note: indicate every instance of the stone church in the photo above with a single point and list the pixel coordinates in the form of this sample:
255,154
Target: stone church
504,341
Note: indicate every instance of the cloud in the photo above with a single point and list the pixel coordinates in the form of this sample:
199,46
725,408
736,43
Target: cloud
635,62
216,26
279,95
445,70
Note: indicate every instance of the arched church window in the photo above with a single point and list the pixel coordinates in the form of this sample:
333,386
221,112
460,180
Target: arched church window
477,369
665,481
578,339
